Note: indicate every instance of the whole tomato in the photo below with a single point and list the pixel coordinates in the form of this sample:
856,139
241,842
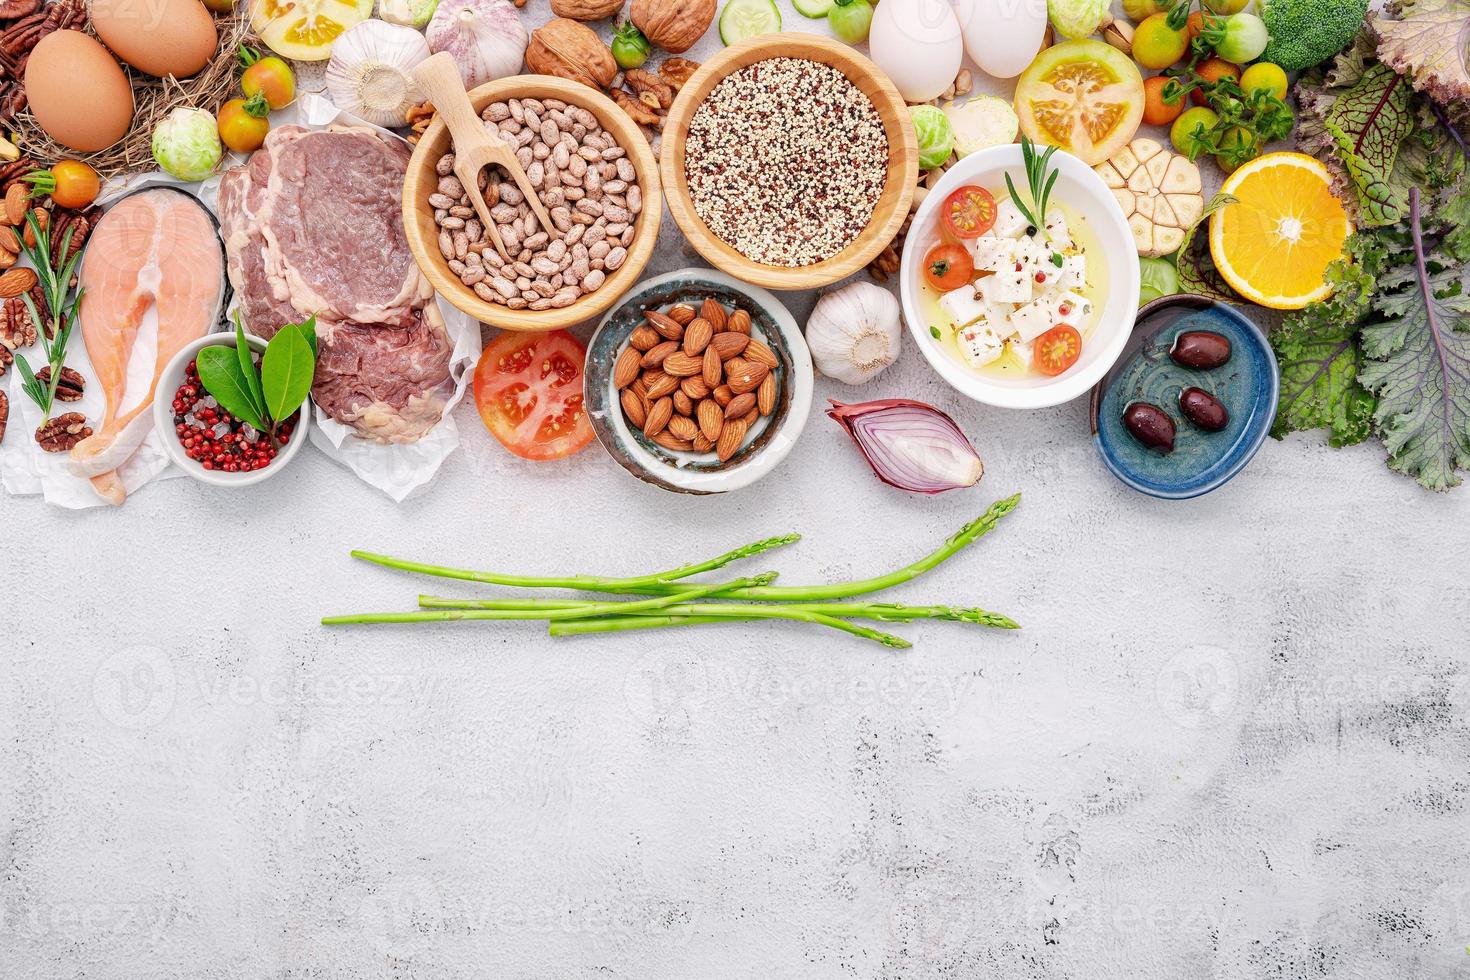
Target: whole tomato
243,125
269,78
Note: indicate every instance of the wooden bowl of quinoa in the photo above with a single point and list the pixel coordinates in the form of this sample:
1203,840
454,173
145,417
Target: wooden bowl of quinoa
789,161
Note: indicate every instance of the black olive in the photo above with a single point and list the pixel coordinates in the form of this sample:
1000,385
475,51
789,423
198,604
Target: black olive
1150,426
1030,230
1201,349
1203,409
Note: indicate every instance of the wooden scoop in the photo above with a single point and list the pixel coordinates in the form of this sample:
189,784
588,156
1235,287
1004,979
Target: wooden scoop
475,147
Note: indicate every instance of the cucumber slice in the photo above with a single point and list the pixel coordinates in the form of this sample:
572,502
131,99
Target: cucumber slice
746,18
815,9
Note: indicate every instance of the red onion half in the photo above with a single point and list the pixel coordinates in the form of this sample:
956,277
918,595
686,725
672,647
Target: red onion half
911,445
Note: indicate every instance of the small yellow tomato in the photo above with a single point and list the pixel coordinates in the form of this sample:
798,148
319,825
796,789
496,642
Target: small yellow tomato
1264,77
77,184
242,125
270,78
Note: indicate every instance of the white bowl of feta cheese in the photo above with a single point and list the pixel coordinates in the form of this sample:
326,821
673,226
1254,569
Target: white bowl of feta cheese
1046,310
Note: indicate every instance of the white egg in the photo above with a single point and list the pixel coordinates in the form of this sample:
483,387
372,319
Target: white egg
1002,37
917,43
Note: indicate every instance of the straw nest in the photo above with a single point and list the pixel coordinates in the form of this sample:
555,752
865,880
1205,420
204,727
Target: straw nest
153,98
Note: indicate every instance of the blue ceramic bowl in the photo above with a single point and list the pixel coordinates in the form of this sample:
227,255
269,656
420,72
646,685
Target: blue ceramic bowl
1248,385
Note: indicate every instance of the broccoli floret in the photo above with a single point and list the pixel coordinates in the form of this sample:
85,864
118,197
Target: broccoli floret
1307,32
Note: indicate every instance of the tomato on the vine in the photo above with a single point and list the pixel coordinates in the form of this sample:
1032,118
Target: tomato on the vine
1058,349
528,388
949,267
968,212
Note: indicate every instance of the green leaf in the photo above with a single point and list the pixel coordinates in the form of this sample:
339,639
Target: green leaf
286,372
33,388
308,329
219,372
1197,272
1319,382
248,370
1369,124
1418,350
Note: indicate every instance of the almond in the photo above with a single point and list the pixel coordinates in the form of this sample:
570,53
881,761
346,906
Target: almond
765,395
13,282
722,395
728,344
739,405
711,419
739,322
664,384
15,203
633,408
658,417
745,375
8,259
655,356
644,337
682,314
714,313
697,335
9,240
43,221
695,388
731,436
702,444
683,427
625,370
667,329
670,441
683,404
750,418
681,365
711,368
761,354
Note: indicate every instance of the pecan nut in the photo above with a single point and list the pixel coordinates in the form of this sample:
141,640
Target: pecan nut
69,388
6,359
11,9
60,434
17,329
4,413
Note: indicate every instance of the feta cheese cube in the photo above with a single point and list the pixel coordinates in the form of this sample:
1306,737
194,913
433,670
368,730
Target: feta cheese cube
1072,309
1009,222
1073,273
1056,229
1009,286
980,344
963,306
1025,352
993,254
1033,320
1033,253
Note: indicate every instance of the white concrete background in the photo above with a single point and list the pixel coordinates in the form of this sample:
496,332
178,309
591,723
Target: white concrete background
1231,741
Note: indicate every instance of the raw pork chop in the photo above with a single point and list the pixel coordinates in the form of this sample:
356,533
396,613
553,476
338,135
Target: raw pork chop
156,248
391,383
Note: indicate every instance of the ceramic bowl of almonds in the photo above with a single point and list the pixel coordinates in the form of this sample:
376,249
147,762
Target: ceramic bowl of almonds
698,383
596,179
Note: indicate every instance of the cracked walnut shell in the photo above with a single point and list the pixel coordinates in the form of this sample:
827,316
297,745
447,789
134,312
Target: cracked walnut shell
1159,191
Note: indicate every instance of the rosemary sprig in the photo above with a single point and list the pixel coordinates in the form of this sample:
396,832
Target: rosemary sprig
1041,179
55,286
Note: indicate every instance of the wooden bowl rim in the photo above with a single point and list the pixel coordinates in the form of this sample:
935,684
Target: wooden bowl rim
903,159
425,246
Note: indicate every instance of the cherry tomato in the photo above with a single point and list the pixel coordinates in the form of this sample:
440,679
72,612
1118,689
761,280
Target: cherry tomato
1058,349
968,212
1212,70
76,184
1156,45
948,267
1157,112
528,388
240,127
268,77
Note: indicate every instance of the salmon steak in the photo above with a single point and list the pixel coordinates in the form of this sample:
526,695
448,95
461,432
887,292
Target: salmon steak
153,280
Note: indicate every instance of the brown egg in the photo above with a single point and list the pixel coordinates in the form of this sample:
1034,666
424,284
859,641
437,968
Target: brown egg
78,94
160,37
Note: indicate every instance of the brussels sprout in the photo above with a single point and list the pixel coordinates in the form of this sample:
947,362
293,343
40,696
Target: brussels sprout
936,135
1156,277
981,123
407,13
186,144
1077,18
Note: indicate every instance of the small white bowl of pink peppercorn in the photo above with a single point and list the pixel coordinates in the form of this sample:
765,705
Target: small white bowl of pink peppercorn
207,442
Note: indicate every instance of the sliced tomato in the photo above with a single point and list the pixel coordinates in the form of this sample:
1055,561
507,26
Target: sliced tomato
968,212
1058,349
528,388
949,267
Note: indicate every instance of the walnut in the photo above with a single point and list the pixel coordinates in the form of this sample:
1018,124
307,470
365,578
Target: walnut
647,84
677,71
69,388
641,112
586,9
58,435
17,329
568,49
4,413
673,25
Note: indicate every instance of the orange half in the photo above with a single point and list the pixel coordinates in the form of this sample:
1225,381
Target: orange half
1275,243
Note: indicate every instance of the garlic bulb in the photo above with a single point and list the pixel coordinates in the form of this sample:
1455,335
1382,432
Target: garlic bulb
854,332
486,38
409,13
369,74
